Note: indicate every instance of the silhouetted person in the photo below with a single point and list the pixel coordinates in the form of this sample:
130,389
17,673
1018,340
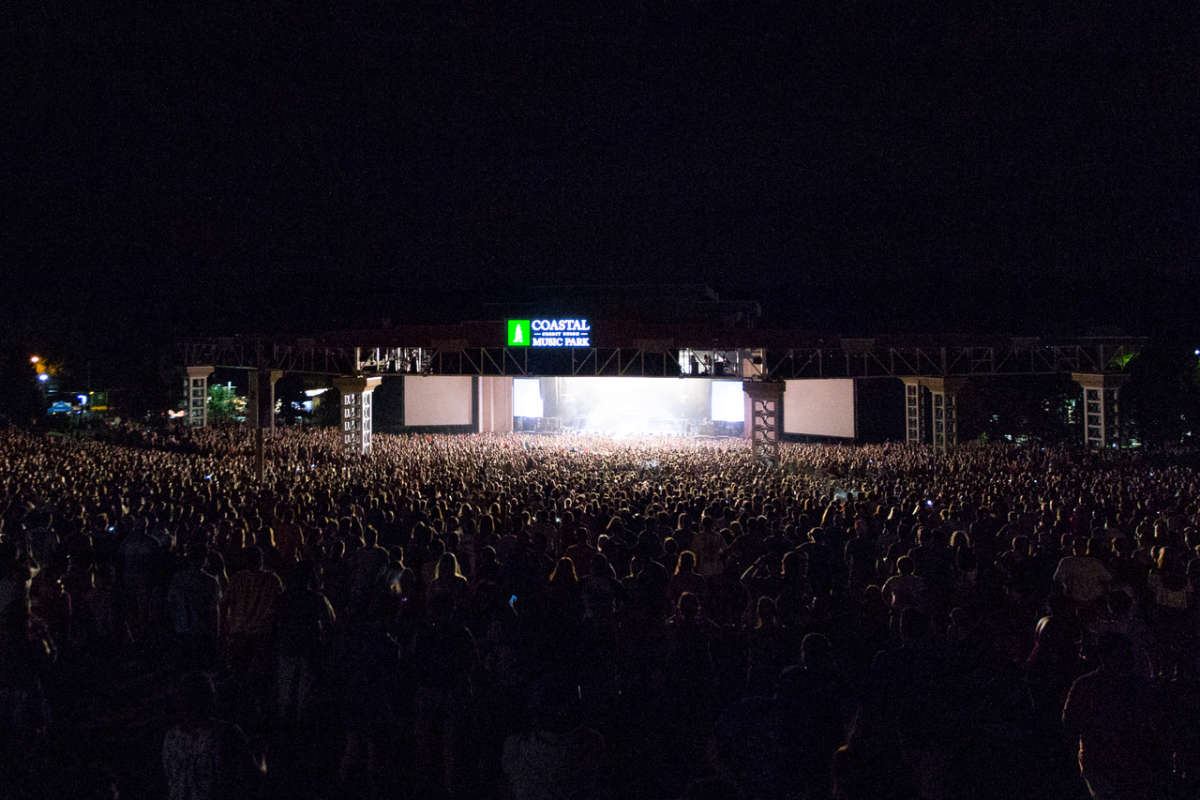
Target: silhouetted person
1113,715
303,625
194,606
203,757
557,757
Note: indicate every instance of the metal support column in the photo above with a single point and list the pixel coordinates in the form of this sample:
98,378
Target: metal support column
196,388
940,393
356,411
260,404
944,394
766,401
1101,408
944,422
946,414
914,411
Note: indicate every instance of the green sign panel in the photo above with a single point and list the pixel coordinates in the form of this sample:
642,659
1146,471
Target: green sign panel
518,333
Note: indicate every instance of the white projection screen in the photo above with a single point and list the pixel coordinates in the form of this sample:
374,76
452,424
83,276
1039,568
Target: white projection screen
527,397
437,400
727,401
819,407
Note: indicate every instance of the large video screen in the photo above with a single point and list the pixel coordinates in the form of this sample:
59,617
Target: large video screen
819,407
437,400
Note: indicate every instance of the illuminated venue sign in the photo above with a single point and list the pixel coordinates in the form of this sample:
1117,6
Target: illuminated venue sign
549,333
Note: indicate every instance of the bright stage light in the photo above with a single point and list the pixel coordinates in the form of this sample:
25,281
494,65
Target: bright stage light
728,401
527,397
622,407
43,377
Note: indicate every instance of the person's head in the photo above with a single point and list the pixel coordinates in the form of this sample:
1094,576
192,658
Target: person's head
961,623
600,566
1119,603
1193,572
688,606
253,557
446,568
793,566
686,562
965,560
905,565
197,556
408,582
764,613
862,528
816,653
303,576
1191,537
1169,560
564,572
670,550
104,575
1120,547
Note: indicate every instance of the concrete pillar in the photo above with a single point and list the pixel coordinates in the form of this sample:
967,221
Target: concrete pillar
495,404
920,394
944,394
196,390
356,392
914,411
260,402
766,423
747,415
1101,408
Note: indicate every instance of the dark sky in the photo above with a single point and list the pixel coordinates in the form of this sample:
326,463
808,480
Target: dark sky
1023,169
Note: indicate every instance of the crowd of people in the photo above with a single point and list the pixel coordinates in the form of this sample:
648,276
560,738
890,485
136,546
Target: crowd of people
527,617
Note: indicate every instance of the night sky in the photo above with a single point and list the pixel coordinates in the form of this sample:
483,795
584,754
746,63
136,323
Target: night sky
1022,169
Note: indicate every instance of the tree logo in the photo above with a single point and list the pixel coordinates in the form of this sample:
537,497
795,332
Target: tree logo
518,333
